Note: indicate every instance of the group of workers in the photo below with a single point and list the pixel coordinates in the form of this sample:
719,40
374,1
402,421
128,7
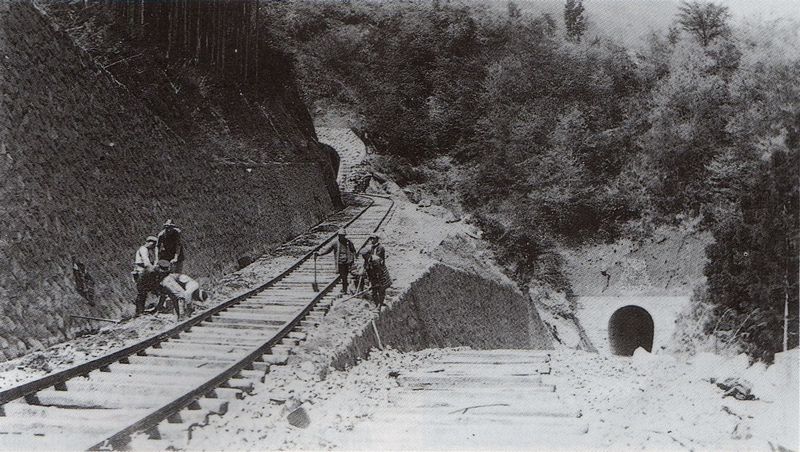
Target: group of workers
374,268
158,268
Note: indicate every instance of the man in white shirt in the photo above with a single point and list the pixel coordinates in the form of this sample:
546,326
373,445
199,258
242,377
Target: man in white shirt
183,290
145,258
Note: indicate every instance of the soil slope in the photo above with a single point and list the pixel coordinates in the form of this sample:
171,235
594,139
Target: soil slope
670,262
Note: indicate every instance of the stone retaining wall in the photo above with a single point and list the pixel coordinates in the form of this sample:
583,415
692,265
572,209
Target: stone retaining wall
88,172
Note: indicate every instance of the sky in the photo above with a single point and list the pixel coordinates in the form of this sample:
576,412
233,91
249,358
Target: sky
629,20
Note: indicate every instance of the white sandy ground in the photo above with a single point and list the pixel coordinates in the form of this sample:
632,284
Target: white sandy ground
647,402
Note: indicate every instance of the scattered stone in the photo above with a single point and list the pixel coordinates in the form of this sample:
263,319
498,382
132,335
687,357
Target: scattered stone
737,388
244,261
308,367
278,359
278,397
299,418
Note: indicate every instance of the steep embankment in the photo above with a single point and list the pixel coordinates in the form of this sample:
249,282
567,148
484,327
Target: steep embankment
88,171
447,291
670,262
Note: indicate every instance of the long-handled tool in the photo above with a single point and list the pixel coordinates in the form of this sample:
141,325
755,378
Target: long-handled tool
314,285
99,319
354,295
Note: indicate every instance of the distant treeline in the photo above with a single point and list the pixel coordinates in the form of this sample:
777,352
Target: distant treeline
568,137
213,33
225,37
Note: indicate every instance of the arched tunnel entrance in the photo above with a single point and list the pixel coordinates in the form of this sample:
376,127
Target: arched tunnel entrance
629,328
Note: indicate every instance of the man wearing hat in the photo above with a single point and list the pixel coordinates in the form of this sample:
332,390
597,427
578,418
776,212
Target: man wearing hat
168,246
377,273
344,253
150,282
145,258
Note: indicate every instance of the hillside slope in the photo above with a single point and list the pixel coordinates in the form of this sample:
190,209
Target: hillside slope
89,170
670,262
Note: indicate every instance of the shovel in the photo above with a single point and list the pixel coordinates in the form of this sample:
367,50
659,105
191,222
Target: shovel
314,285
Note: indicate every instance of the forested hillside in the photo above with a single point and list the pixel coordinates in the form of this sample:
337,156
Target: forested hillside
563,136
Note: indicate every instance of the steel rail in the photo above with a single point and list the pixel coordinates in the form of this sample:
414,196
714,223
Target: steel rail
122,437
32,387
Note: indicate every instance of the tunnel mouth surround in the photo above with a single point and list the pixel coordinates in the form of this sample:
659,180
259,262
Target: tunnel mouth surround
629,328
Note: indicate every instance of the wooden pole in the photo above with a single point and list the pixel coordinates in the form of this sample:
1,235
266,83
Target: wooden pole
378,336
95,318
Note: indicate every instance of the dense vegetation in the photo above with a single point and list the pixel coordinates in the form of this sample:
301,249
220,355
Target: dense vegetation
567,137
204,67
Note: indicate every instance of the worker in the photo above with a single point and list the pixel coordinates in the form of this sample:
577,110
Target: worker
169,247
374,246
377,272
145,259
149,281
183,290
344,253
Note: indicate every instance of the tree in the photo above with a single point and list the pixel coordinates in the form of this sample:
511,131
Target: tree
752,266
574,20
706,21
690,110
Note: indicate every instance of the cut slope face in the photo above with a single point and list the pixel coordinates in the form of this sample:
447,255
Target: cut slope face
89,172
668,263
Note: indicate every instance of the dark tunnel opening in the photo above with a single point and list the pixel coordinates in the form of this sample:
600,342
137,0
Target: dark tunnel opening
629,328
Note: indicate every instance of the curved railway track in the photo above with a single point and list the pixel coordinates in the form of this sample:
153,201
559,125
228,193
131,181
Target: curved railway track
178,377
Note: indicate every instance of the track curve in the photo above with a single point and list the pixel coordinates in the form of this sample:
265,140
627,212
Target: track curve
183,374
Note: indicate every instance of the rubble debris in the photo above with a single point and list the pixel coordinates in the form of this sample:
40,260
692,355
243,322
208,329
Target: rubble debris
737,388
299,418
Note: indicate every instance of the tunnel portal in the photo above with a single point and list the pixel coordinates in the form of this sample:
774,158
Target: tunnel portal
629,328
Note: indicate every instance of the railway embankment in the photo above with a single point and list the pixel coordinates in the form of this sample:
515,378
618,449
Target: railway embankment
446,291
90,170
448,307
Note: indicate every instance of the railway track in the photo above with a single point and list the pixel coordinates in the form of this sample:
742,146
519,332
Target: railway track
170,381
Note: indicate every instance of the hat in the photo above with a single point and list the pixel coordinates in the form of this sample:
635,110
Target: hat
342,232
169,223
151,238
374,236
163,264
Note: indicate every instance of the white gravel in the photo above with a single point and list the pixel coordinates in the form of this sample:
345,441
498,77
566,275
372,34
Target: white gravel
651,402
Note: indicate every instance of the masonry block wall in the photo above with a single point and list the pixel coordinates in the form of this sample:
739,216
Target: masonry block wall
447,307
88,172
